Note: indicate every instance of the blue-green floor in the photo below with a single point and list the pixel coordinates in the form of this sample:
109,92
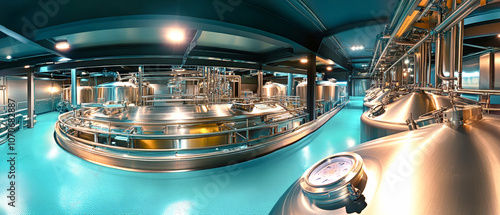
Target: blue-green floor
52,181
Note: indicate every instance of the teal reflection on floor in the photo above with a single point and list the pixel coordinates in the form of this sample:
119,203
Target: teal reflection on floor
52,181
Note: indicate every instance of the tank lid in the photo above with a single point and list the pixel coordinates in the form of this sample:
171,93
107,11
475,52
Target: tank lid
462,114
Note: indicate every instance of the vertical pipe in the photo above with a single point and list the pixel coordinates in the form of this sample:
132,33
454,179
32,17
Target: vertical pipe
290,84
74,88
260,80
453,54
437,60
429,61
31,98
140,75
460,52
311,86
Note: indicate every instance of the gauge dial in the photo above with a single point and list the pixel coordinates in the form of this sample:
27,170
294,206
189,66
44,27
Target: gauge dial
331,171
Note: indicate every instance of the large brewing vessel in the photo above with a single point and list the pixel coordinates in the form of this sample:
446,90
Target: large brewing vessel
121,92
445,168
85,94
382,120
272,90
325,91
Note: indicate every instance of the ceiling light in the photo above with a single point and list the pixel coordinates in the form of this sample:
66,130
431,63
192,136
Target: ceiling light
303,60
404,74
53,89
8,57
64,59
407,61
176,35
498,35
357,48
364,65
62,45
27,66
329,68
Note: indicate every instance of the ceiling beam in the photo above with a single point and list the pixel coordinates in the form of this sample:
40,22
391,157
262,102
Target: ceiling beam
48,48
382,21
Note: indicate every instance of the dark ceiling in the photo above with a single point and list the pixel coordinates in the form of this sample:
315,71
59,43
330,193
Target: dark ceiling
257,32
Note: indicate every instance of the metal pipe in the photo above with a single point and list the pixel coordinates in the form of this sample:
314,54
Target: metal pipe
396,14
460,53
260,82
429,6
411,3
31,98
141,93
290,84
466,8
429,60
461,12
74,89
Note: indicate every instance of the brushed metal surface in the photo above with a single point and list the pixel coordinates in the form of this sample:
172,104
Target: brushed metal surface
185,113
394,119
325,91
272,89
166,160
85,94
433,170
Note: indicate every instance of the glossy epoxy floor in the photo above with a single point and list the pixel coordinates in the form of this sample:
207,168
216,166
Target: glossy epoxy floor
52,181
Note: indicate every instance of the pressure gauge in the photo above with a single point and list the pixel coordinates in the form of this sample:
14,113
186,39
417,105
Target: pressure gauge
334,181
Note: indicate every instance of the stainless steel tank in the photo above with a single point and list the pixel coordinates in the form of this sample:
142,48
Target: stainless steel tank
383,120
325,90
272,89
85,94
148,90
117,92
446,168
377,99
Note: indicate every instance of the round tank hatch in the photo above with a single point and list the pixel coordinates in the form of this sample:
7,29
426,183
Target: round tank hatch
335,181
377,110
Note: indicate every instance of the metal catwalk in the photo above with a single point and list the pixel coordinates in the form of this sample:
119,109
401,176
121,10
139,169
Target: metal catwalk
50,180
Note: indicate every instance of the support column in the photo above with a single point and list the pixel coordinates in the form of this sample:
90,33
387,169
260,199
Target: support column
74,90
290,84
311,86
492,71
140,80
31,98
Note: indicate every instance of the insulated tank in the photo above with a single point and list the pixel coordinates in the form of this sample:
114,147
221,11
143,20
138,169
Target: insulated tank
325,91
445,168
382,120
117,92
85,94
272,89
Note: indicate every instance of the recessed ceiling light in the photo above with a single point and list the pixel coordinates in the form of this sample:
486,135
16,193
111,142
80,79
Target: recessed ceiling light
64,59
27,66
407,61
357,48
176,35
303,60
8,57
62,45
329,68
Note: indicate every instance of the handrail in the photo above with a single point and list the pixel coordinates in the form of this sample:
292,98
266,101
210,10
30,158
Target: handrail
171,136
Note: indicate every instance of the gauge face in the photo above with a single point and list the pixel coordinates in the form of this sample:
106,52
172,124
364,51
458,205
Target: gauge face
331,171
